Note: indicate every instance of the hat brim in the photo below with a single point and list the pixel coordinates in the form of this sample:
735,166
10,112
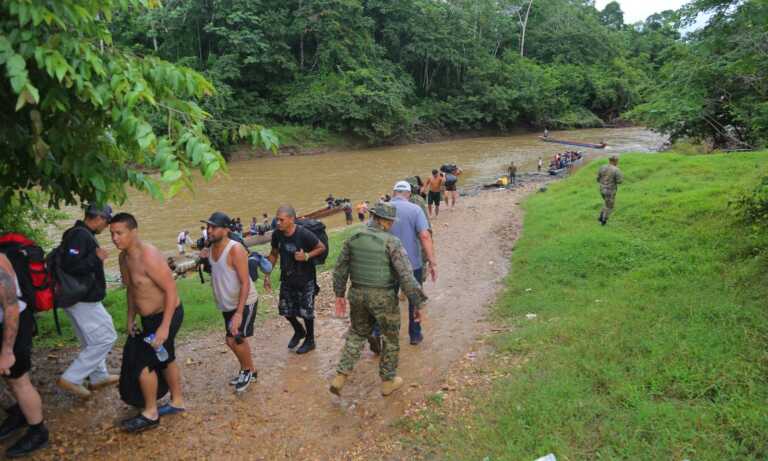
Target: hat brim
210,223
382,217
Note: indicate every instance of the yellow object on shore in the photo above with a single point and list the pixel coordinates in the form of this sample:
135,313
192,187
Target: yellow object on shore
503,181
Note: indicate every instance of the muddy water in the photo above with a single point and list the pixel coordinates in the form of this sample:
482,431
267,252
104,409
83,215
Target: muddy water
256,186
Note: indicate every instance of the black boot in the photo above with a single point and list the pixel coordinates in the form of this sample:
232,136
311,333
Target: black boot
35,439
309,343
298,332
13,422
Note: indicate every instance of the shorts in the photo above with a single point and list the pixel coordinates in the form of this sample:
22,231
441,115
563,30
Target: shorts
297,302
246,325
434,198
450,187
361,216
22,348
151,323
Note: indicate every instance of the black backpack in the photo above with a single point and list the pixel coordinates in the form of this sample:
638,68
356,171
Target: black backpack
317,228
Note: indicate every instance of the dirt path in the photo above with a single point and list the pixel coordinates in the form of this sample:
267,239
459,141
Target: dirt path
289,413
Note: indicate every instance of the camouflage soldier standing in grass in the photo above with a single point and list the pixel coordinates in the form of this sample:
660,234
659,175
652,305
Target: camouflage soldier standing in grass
376,263
609,177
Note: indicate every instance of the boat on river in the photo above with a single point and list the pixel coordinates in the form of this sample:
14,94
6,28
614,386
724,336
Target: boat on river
573,159
323,212
602,145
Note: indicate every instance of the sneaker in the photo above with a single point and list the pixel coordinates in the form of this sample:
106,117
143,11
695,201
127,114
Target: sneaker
75,389
12,423
309,345
33,440
236,378
246,376
110,380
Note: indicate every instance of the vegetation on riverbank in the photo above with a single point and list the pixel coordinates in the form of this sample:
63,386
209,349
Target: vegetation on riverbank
200,313
650,333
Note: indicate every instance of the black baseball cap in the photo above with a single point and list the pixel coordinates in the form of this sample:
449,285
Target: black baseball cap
103,211
218,219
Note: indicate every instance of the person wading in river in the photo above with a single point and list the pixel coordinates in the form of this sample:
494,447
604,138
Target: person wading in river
434,187
296,246
376,263
609,177
234,294
151,293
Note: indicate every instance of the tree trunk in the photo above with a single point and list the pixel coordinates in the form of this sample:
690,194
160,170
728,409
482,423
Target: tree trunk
524,23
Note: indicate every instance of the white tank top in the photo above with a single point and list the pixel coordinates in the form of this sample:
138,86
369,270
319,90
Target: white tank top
226,285
22,304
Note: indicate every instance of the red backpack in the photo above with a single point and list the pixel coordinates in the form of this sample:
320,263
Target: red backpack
28,261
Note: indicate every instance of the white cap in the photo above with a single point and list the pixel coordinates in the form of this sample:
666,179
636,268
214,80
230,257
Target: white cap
402,186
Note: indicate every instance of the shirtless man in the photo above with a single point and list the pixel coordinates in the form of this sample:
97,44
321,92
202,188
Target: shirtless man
433,187
151,293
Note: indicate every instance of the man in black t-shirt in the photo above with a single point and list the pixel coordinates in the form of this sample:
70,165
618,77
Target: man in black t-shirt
296,246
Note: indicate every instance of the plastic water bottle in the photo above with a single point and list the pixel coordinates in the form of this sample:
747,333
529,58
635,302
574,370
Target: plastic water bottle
162,354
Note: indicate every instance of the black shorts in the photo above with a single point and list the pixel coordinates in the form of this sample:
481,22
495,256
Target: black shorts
22,348
433,198
246,325
151,323
450,187
361,216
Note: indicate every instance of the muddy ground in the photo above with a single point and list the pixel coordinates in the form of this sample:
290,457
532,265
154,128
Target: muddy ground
289,413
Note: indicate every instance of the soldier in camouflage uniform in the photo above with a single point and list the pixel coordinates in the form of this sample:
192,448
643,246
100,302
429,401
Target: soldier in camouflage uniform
609,177
376,263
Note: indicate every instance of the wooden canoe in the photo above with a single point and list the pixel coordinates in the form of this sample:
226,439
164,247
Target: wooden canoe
574,143
258,239
557,171
322,213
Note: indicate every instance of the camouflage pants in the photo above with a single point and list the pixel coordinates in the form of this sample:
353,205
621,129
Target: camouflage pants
368,306
609,196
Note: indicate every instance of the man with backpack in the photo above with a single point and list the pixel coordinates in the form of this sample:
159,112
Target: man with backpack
81,258
234,293
296,246
17,326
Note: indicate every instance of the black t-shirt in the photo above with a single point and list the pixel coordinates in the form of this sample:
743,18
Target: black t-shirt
296,273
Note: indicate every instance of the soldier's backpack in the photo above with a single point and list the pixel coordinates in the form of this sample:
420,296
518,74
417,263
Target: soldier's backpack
317,228
28,261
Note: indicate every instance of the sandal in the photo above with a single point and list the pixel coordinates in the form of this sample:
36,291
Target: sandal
139,423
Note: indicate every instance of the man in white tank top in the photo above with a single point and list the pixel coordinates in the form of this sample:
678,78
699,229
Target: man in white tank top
15,362
234,293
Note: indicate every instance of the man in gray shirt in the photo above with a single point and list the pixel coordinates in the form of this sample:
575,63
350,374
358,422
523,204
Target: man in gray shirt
412,228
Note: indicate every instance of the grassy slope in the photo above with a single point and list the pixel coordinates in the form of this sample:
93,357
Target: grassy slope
200,313
650,341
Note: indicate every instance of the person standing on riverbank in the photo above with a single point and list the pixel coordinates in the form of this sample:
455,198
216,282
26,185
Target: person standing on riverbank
151,293
182,240
235,295
512,170
17,325
348,211
83,258
609,177
452,173
295,246
433,188
375,262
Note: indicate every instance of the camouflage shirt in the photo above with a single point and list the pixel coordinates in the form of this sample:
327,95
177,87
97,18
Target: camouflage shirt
609,177
417,199
400,265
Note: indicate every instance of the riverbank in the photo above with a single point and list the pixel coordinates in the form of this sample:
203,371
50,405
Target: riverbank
292,391
644,339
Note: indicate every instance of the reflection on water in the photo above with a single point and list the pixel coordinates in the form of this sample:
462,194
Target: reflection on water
253,187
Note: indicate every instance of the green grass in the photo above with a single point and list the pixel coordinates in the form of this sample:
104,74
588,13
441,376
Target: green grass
650,336
306,137
200,312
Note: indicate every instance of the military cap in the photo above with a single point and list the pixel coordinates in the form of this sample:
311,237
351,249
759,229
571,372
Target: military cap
614,158
384,211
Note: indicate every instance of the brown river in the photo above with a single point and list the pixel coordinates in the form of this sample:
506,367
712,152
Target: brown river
255,186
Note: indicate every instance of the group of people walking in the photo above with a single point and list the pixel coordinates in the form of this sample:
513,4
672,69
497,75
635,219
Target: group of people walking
393,253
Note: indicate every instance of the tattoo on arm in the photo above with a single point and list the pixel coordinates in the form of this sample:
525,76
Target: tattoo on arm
8,295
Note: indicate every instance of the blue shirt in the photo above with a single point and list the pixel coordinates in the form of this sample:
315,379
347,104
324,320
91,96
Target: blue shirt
411,221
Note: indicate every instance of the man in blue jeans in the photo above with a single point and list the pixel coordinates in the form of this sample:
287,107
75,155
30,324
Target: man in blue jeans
412,228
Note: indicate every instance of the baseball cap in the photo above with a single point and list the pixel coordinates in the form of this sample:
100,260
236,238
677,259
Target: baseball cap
402,186
103,211
218,219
